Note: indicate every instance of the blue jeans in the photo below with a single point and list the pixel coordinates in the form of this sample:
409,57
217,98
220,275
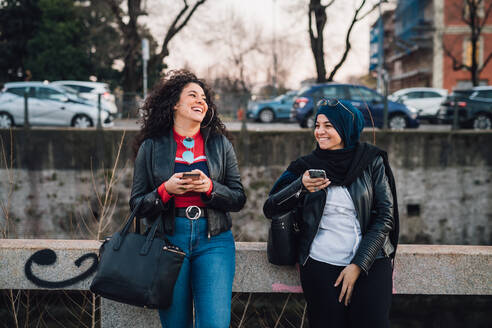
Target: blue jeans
205,279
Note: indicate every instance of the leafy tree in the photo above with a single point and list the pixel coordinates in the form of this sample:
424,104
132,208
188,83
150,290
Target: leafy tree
103,41
19,21
59,49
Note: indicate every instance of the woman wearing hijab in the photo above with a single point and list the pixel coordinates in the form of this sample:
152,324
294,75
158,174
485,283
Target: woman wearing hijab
348,222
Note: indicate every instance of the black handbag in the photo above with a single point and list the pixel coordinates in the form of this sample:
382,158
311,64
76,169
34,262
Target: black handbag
283,239
137,269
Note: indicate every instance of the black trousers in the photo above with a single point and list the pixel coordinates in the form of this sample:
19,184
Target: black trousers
370,303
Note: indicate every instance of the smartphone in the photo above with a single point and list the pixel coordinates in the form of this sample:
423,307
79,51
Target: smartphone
192,176
317,174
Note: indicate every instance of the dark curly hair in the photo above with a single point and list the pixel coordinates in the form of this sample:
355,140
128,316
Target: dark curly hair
157,111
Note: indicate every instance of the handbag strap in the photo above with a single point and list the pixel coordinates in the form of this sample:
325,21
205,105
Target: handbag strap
119,237
150,237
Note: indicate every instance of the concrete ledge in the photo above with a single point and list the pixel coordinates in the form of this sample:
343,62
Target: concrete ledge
419,269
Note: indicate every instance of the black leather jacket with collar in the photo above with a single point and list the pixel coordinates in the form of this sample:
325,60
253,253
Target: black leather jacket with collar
154,165
373,203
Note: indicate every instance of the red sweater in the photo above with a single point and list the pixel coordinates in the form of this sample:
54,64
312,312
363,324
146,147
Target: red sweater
181,165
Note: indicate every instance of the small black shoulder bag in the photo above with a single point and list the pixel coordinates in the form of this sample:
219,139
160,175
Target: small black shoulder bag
283,239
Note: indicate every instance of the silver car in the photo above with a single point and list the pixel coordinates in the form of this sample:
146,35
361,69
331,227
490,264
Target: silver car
91,90
48,105
426,100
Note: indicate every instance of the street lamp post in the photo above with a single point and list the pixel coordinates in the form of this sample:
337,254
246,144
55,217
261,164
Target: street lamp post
145,59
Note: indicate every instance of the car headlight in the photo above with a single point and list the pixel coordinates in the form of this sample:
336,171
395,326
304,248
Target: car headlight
413,112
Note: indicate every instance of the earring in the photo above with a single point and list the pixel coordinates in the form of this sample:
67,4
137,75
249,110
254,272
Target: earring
211,118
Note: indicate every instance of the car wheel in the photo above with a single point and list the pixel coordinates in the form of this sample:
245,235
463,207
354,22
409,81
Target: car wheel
266,116
397,122
482,122
6,121
82,121
310,122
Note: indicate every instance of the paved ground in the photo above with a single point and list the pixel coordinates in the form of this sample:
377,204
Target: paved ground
253,126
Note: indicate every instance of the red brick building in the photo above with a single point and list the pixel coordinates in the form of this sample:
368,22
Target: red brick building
456,38
425,31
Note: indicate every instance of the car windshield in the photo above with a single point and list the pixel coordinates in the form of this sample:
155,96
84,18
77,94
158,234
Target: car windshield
462,93
279,98
69,90
71,93
303,90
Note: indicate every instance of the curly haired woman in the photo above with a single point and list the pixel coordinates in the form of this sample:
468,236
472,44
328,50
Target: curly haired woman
186,173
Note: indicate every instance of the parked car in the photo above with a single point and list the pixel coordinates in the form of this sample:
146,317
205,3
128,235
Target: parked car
90,90
267,111
426,100
48,104
474,108
368,101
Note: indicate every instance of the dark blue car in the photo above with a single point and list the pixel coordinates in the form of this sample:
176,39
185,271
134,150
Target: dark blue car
368,101
267,111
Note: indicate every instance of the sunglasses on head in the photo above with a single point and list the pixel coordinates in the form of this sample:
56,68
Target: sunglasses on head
333,102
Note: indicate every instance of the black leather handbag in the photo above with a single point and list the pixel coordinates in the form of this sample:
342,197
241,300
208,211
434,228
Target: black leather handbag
283,239
137,269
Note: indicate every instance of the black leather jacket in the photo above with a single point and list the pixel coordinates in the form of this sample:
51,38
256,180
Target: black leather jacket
373,203
155,164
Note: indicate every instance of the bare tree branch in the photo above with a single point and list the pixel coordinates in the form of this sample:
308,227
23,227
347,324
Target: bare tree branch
466,19
457,65
486,15
176,27
486,61
347,41
470,15
371,10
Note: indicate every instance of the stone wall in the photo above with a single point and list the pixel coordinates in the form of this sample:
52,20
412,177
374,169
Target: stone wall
54,181
433,286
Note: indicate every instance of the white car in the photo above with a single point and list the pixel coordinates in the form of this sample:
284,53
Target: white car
426,100
90,90
47,105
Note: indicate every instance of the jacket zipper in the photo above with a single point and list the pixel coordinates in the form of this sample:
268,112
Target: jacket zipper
307,257
209,172
297,194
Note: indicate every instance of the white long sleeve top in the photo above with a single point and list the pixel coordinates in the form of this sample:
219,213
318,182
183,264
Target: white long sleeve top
339,233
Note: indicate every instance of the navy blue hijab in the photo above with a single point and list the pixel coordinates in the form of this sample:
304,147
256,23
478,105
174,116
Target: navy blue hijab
346,119
342,166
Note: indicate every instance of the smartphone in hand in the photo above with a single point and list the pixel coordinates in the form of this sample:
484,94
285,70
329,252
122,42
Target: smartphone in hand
192,176
314,173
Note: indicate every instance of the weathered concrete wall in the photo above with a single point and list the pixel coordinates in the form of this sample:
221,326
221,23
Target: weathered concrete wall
419,270
443,181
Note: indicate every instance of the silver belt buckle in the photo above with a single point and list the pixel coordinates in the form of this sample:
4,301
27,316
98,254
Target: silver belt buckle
190,208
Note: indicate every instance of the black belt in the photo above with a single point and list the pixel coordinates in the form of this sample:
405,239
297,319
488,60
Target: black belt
191,212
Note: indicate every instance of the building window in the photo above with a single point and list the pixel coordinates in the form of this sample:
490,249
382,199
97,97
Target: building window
466,8
467,52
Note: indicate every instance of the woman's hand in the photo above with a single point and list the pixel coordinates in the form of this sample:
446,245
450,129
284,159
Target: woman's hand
176,185
348,276
202,184
313,185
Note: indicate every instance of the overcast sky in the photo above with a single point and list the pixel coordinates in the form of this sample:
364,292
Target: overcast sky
194,47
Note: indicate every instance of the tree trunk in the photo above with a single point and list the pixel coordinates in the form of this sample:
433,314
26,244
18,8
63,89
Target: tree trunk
317,41
475,35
